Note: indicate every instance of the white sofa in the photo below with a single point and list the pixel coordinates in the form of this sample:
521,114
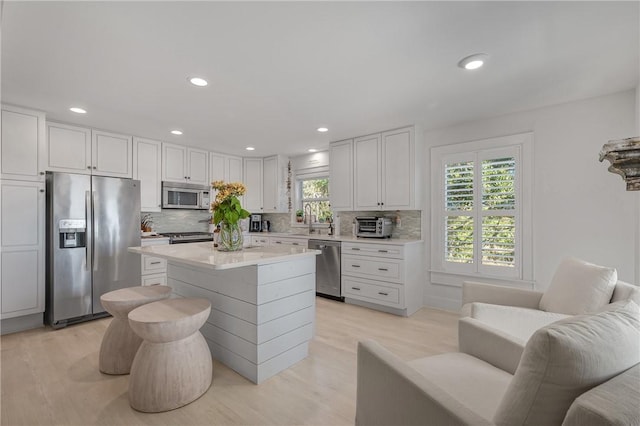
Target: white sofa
567,369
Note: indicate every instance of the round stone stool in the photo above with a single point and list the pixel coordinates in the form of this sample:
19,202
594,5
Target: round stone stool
173,366
119,343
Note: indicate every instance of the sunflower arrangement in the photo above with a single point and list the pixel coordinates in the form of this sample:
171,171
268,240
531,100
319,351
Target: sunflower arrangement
226,207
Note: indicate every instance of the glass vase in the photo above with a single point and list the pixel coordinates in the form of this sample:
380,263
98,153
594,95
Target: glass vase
230,237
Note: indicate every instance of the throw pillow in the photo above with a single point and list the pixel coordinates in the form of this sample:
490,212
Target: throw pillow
567,358
579,287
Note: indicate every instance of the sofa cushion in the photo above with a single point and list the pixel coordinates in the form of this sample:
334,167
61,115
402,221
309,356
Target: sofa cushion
626,291
476,384
518,322
579,287
596,407
567,358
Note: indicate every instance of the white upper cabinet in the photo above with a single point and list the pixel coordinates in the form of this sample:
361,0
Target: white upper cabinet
274,184
253,182
233,172
367,172
385,176
183,164
23,134
74,149
341,175
398,183
226,168
111,154
68,148
198,166
147,164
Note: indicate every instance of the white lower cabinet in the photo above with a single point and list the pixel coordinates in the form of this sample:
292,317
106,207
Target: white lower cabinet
22,289
154,269
259,241
383,276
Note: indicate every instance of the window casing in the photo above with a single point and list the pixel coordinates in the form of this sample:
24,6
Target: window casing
481,208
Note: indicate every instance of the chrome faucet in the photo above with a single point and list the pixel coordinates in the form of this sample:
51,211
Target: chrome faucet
309,218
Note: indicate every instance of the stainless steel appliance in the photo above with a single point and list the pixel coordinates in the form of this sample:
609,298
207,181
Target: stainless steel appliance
328,268
255,223
188,237
91,220
373,227
185,196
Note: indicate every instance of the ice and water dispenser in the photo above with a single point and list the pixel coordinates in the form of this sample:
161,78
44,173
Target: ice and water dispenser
73,233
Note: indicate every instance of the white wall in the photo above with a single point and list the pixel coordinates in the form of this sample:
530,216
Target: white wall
579,208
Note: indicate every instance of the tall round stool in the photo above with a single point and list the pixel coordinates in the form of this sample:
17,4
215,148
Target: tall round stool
173,366
119,343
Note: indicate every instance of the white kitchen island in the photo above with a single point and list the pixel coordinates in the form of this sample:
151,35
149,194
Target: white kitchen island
262,300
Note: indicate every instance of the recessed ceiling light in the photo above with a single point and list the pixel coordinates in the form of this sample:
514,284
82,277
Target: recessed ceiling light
176,132
77,110
312,150
473,62
250,148
322,129
197,81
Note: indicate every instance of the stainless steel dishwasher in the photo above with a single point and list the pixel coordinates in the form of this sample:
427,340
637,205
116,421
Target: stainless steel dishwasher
328,268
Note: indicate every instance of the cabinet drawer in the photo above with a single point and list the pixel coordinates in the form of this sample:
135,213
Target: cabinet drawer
378,250
369,267
259,241
153,264
370,292
277,241
154,279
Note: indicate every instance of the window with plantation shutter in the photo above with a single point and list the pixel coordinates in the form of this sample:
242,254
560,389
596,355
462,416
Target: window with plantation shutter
477,210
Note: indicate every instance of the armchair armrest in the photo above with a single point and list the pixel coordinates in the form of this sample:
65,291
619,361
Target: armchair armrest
498,295
489,344
391,392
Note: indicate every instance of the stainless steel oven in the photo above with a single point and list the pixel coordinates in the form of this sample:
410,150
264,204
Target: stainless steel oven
185,196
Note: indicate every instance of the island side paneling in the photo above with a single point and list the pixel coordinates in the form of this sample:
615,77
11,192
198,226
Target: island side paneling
262,316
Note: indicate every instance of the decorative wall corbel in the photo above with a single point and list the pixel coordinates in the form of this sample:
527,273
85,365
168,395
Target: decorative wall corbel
624,156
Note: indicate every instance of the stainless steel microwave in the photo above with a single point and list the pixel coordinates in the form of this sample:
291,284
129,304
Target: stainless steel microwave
185,196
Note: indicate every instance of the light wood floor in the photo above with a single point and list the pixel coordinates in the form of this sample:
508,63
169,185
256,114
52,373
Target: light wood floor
52,378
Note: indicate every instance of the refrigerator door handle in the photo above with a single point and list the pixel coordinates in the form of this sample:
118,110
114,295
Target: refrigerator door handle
94,232
89,240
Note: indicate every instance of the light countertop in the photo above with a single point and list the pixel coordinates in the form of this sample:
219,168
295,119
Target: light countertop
204,255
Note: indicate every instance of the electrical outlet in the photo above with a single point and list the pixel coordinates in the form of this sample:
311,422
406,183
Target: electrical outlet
398,222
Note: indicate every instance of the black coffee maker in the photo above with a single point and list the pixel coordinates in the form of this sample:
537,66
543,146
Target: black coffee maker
255,223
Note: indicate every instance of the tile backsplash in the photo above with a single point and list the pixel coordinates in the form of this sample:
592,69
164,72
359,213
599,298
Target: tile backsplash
410,222
179,220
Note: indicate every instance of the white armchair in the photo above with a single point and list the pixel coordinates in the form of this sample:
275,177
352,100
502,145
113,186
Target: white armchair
497,321
560,362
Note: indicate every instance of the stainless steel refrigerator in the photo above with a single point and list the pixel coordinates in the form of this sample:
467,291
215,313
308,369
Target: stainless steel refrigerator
91,220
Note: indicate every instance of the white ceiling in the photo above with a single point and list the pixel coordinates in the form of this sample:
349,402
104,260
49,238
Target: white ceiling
277,71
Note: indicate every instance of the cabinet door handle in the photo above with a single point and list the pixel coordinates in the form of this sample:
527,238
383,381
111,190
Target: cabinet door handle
295,244
382,293
355,248
382,269
355,288
278,242
356,266
94,167
383,251
42,190
89,167
155,263
186,177
41,173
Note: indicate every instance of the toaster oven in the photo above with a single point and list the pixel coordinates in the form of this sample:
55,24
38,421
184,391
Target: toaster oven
373,227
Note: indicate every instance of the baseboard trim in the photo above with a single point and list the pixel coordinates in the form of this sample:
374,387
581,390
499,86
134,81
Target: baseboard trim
446,304
17,324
